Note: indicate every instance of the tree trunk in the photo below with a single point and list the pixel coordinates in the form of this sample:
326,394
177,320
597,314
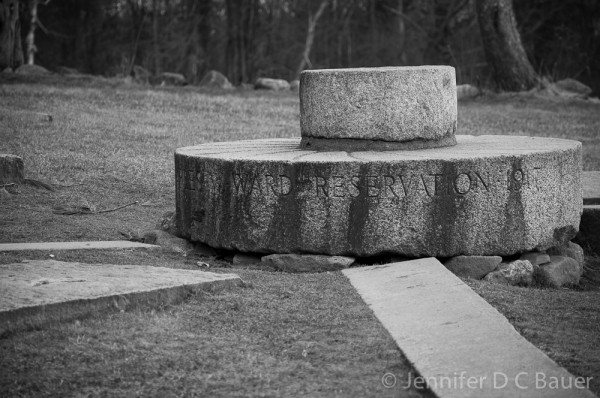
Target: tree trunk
504,50
9,34
11,54
155,37
30,40
310,37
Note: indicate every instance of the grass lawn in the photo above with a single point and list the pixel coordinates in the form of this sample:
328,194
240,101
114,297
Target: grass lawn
104,145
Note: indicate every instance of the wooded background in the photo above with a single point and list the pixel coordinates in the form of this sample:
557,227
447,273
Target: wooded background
246,39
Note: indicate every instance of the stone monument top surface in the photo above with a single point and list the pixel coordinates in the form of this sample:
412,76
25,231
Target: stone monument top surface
388,108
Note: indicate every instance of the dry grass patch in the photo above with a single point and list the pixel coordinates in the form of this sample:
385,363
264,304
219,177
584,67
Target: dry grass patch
103,145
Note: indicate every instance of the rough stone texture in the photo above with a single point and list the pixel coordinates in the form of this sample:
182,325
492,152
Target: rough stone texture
36,292
591,187
306,263
465,91
475,267
519,272
451,335
589,233
488,195
560,271
27,69
388,104
572,250
11,169
245,259
216,79
112,244
535,258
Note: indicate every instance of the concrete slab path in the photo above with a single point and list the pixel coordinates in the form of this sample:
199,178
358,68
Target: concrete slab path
36,292
460,345
109,244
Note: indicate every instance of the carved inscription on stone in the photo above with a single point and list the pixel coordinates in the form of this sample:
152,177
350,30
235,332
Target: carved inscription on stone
382,185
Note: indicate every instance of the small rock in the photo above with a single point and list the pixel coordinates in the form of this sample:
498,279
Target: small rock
32,70
168,242
535,258
11,169
560,271
518,272
572,88
245,259
7,70
306,262
216,79
475,267
265,83
572,250
295,85
170,79
464,91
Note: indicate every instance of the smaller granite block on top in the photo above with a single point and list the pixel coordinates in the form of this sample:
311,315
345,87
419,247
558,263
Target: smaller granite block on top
378,105
33,293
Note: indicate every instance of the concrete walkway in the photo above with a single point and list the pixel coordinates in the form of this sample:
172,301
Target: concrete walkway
108,244
36,292
460,345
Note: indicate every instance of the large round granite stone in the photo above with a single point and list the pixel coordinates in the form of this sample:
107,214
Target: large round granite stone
488,195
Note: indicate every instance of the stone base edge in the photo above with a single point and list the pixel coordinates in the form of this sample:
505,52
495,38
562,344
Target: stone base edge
27,318
355,145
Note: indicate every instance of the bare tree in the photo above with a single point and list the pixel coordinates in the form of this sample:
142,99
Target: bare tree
310,37
504,50
11,53
35,22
